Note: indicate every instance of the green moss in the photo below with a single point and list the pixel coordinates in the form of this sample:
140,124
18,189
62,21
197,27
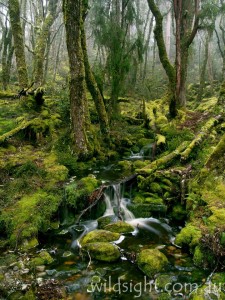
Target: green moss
138,164
29,215
152,261
125,165
139,198
162,281
99,236
178,212
119,227
217,218
43,258
155,187
106,220
29,244
188,236
207,292
160,139
103,251
78,191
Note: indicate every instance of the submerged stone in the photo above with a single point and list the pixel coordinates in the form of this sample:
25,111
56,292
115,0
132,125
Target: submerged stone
99,236
151,261
103,251
43,258
120,227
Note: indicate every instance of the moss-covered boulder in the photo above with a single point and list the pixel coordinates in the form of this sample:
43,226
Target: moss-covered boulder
151,261
188,236
105,220
99,236
120,227
43,258
76,192
102,251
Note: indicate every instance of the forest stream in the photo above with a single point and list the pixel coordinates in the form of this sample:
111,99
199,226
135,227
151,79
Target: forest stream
90,279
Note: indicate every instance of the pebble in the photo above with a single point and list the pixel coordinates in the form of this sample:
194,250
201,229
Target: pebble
24,271
41,274
40,268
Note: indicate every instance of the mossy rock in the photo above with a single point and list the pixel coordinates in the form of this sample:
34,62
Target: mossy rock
178,212
188,236
120,227
154,201
162,281
139,198
29,244
125,165
99,236
152,261
218,278
139,164
144,142
43,258
155,187
77,191
207,292
164,296
106,220
103,251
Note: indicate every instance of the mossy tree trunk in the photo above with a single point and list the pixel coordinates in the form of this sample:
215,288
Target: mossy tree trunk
18,38
73,19
204,65
42,42
168,67
186,14
7,55
91,82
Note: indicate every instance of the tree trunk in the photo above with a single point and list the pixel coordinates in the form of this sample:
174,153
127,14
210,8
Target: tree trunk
40,47
72,11
92,84
203,68
7,55
18,38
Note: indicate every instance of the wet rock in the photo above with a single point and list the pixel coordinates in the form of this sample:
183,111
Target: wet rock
151,261
105,220
43,258
120,227
207,292
162,281
102,251
67,254
99,236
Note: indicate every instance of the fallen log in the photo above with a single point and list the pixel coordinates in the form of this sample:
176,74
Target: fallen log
200,137
14,131
217,154
162,161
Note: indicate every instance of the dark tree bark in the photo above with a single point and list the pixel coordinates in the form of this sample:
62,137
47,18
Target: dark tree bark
72,11
18,38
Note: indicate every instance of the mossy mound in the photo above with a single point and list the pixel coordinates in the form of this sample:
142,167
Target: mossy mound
78,191
29,215
151,261
120,227
43,258
106,220
188,236
147,210
99,236
103,251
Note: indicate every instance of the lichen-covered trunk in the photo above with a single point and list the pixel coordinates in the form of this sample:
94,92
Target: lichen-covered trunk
72,11
7,55
93,88
42,42
203,67
18,38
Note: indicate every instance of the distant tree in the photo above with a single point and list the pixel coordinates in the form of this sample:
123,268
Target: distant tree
187,13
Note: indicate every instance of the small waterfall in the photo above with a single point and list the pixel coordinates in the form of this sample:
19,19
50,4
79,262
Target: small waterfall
116,203
145,152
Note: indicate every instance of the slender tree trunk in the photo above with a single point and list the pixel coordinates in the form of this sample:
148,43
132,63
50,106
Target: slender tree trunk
72,11
18,38
41,43
92,84
7,55
168,29
203,68
147,48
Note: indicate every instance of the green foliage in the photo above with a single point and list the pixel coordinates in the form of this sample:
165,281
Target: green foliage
29,169
189,236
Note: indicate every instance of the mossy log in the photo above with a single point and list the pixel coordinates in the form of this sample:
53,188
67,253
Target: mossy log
200,137
218,153
14,131
162,161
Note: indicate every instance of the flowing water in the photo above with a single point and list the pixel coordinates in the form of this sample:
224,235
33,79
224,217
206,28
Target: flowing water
122,279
